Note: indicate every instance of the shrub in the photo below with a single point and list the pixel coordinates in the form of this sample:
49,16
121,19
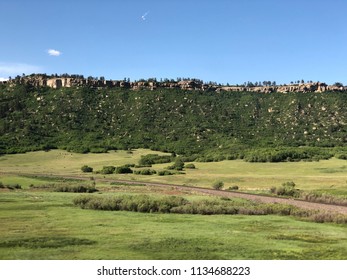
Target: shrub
190,166
2,186
13,186
218,185
341,156
86,168
123,170
233,188
178,165
75,189
145,172
288,184
165,173
129,165
134,203
179,205
148,160
108,170
287,189
324,198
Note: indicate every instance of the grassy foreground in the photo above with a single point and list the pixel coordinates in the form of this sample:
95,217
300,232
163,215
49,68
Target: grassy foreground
40,224
46,225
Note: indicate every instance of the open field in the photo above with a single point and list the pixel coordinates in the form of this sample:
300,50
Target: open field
326,175
41,224
46,225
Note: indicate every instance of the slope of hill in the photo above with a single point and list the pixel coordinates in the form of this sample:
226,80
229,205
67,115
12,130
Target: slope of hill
212,125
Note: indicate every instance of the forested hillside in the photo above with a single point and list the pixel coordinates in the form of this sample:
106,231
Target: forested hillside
209,125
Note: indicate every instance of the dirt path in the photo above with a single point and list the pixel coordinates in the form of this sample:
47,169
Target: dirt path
255,197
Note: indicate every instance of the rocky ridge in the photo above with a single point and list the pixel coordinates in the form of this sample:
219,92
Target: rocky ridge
193,84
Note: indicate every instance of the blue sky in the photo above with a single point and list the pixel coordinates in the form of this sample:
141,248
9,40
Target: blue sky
215,40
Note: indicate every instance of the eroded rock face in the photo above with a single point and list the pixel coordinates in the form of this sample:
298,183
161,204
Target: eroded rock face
59,82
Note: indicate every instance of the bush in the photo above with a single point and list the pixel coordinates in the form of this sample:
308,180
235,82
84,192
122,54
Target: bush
324,198
287,189
190,166
75,189
288,184
148,160
179,205
341,156
123,170
178,165
86,168
165,173
218,185
14,187
233,188
108,170
10,187
134,203
145,172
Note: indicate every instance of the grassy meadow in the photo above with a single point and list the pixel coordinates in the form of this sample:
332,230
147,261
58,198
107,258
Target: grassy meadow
46,225
37,223
327,175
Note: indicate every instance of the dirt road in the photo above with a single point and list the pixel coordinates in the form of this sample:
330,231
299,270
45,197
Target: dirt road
255,197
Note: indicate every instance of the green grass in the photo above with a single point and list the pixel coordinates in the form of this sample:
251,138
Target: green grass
46,225
39,224
326,175
63,162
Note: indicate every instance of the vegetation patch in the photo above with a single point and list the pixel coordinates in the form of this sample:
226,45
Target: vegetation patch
145,172
46,242
179,205
324,198
180,245
75,189
86,169
148,160
135,203
10,186
201,125
287,189
309,238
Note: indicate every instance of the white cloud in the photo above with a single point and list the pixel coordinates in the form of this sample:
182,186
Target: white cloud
11,69
3,79
53,52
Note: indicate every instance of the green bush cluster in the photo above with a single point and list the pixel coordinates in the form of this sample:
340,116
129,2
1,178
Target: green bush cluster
165,173
287,189
145,172
148,160
223,206
10,186
86,169
124,169
107,170
75,189
218,185
190,166
287,154
134,203
178,165
323,198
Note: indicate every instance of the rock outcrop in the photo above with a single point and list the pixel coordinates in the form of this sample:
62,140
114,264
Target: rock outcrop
193,84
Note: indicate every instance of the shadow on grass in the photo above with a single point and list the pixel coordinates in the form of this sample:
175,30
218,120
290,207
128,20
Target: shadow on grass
46,242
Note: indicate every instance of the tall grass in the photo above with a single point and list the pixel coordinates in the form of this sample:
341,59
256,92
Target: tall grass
179,205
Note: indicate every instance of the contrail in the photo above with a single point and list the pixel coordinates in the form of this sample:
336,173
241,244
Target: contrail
144,16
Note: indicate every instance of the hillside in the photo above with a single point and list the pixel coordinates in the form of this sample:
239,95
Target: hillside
214,125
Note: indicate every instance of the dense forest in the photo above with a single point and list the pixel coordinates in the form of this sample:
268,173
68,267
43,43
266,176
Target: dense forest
194,124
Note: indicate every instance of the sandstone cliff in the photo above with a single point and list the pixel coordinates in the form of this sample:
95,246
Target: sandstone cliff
63,81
